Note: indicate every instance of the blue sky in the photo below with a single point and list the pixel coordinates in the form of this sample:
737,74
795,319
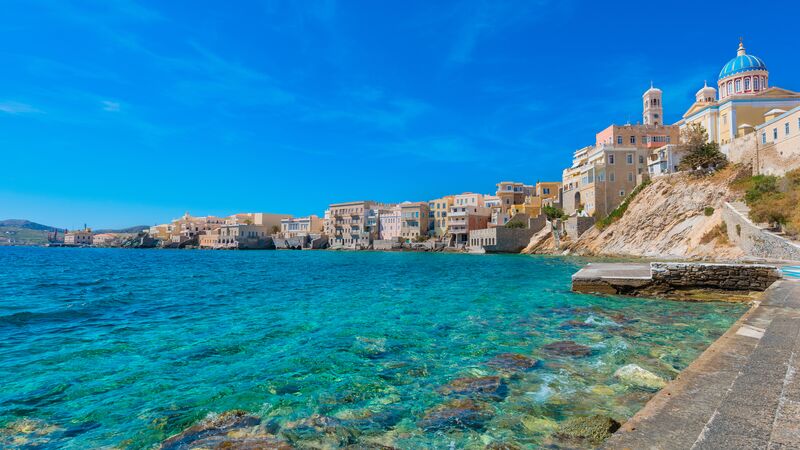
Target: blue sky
123,112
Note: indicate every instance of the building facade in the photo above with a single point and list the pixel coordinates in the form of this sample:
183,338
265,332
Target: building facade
348,224
438,221
301,226
79,237
414,219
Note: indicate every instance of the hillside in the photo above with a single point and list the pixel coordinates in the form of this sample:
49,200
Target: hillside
23,232
676,216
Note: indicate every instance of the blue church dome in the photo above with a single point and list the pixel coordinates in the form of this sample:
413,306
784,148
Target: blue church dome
742,63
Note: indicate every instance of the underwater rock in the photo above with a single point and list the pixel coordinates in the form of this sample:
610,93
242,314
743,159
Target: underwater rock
636,376
328,431
575,324
592,429
566,348
502,446
232,429
458,413
492,388
539,425
512,362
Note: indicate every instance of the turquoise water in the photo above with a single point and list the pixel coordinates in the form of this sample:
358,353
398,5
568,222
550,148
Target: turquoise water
111,347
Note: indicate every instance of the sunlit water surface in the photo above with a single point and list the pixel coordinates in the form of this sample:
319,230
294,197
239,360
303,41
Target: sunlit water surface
105,347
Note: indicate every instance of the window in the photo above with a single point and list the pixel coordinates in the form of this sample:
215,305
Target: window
755,83
629,158
787,128
633,139
619,140
601,176
764,137
611,159
611,177
622,192
747,84
738,85
630,176
641,159
730,87
775,134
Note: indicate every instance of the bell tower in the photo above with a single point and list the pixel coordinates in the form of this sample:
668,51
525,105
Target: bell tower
653,112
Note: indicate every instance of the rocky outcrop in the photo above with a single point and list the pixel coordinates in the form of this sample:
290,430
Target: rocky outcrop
231,429
676,216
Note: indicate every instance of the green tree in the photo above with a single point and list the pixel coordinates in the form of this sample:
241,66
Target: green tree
553,212
698,152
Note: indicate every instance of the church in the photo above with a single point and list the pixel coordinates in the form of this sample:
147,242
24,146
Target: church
743,100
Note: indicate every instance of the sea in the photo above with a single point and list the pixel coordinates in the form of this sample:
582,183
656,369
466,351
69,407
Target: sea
123,348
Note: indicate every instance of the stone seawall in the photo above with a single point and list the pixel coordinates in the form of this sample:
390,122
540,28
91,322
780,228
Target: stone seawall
738,277
675,280
755,241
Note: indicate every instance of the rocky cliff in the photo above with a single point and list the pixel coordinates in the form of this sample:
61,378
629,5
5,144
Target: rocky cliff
677,216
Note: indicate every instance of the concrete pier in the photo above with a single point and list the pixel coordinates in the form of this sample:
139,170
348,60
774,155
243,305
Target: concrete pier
743,392
668,278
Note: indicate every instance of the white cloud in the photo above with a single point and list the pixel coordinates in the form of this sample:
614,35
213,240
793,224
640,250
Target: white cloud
17,108
110,106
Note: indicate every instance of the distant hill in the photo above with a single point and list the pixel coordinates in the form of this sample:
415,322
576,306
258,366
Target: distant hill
25,232
22,223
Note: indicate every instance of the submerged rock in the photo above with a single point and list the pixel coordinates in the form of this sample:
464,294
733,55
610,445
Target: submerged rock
566,348
458,413
231,429
502,446
492,388
325,430
591,429
512,362
636,376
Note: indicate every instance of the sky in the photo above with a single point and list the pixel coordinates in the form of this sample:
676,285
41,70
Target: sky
121,112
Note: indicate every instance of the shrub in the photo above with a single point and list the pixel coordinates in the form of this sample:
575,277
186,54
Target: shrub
760,185
708,210
738,230
515,224
719,232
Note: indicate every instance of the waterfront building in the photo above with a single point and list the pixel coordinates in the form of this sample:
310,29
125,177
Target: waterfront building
601,176
545,193
438,222
300,226
464,218
273,221
348,224
389,223
740,103
237,236
79,237
414,217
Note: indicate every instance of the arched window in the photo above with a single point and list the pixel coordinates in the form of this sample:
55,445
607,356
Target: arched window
730,87
738,85
747,84
755,83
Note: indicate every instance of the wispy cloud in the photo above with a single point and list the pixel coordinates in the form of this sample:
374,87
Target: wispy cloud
11,107
110,106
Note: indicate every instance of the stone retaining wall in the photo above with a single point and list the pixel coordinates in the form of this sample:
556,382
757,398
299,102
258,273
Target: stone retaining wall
738,277
755,241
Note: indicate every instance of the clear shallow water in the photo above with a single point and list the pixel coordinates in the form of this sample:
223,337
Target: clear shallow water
106,347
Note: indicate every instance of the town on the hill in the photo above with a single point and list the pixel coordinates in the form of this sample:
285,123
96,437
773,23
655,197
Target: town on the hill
753,123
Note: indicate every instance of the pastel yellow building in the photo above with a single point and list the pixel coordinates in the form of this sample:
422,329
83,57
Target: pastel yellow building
438,215
740,103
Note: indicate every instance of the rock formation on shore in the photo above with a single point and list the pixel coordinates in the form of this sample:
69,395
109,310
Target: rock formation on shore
676,216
